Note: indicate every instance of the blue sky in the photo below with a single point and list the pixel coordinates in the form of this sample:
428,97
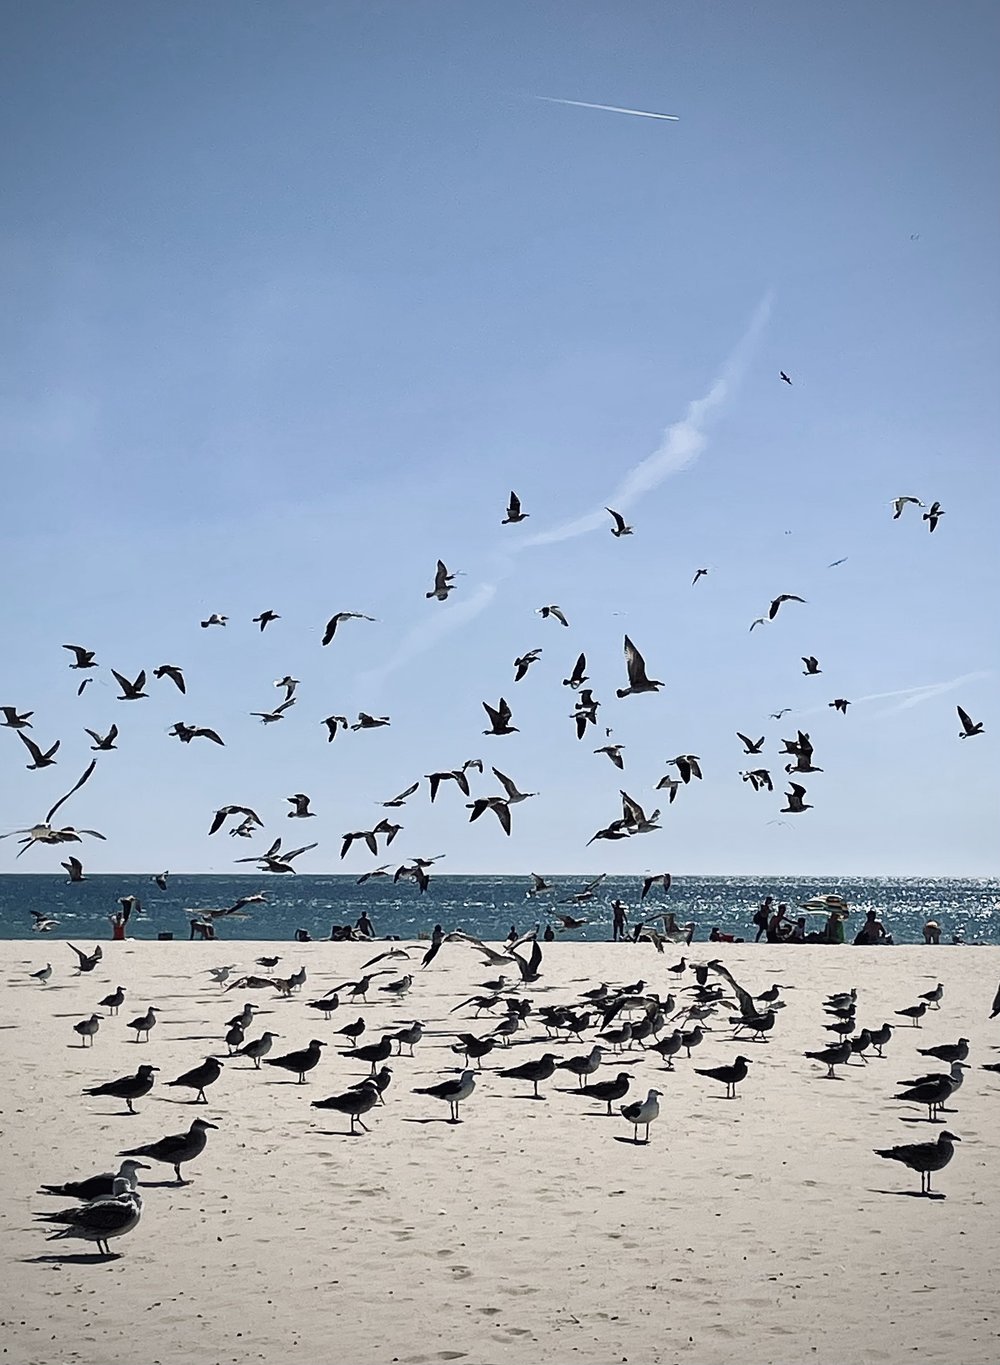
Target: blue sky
294,295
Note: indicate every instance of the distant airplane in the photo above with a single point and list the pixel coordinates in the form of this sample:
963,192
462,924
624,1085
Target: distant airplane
609,108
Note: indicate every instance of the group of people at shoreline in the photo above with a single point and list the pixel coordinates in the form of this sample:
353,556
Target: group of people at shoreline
773,923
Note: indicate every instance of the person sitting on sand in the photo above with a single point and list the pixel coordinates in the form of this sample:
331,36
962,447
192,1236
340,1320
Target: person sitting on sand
717,936
512,934
303,936
776,926
798,931
932,931
549,934
364,925
202,929
872,931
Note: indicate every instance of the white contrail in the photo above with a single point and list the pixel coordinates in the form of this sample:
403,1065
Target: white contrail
681,445
912,696
610,108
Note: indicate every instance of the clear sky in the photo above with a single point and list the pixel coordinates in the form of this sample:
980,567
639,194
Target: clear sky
294,295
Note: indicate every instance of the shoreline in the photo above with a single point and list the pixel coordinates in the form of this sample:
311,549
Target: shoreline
762,1228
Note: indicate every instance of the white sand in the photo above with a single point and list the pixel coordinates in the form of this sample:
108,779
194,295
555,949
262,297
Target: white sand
762,1229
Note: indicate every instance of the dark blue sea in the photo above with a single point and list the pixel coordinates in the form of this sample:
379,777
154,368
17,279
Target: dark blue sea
968,910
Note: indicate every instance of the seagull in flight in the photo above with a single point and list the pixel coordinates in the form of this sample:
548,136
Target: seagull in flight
636,668
12,720
933,515
333,724
699,573
772,610
782,375
795,803
44,833
522,664
543,612
969,726
510,787
443,583
131,691
270,717
84,657
172,672
579,675
498,804
301,803
614,752
811,665
499,718
186,733
103,742
620,527
899,503
265,619
750,746
38,758
224,812
341,616
514,512
400,800
214,620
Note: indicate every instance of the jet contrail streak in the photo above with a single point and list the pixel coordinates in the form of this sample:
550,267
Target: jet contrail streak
912,696
681,445
610,108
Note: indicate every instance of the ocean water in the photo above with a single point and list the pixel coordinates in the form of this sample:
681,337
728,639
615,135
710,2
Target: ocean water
484,906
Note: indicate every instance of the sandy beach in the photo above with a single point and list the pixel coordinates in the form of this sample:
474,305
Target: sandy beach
761,1229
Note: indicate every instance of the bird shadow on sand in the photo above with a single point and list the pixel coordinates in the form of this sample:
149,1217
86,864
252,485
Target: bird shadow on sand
911,1194
74,1258
197,1038
451,1122
907,1118
164,1184
338,1133
632,1142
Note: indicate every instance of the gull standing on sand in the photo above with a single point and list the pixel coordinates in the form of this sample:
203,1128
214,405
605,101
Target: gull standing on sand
354,1102
87,1028
177,1149
730,1076
453,1091
200,1078
924,1157
642,1114
127,1088
97,1186
299,1062
144,1024
258,1048
103,1219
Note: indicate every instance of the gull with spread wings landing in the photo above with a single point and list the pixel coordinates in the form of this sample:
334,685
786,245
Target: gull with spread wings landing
43,833
274,860
636,668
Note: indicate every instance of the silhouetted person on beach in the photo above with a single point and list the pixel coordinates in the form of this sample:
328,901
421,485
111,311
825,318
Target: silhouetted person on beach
619,920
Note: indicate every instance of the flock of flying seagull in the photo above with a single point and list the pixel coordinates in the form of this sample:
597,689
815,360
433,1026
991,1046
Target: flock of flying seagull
627,1026
275,859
